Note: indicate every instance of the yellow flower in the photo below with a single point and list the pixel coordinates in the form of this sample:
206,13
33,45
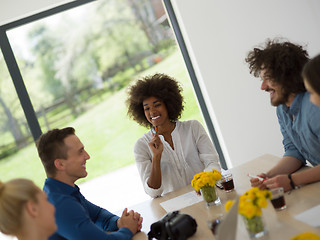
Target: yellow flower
262,202
259,212
228,205
267,194
249,210
203,179
260,194
306,236
250,195
216,174
251,202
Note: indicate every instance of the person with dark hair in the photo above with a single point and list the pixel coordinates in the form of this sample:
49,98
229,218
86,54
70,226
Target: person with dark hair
25,211
64,159
311,78
279,65
172,152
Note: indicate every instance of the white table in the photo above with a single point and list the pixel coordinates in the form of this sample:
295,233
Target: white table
280,225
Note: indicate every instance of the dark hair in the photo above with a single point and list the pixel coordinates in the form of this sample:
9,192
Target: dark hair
161,86
51,146
311,73
283,62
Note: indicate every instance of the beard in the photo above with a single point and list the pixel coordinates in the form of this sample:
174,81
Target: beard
282,98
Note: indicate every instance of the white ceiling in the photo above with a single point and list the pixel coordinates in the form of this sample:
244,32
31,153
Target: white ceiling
12,10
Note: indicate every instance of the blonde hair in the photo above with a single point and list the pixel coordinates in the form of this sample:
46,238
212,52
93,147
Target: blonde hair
14,195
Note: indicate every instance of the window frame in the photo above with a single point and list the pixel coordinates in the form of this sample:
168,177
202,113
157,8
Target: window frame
194,80
23,93
13,67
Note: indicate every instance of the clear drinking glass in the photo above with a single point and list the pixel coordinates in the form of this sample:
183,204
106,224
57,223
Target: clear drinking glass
227,182
277,199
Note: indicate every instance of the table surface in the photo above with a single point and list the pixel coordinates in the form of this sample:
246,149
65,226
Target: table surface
280,224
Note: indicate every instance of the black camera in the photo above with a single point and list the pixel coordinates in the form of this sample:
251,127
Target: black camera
173,226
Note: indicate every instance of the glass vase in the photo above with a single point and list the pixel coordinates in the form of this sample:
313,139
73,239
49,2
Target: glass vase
209,195
255,226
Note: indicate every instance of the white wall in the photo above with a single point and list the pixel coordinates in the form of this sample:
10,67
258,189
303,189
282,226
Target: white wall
218,35
12,10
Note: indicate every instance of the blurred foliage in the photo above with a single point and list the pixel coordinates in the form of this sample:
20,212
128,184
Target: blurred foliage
73,60
105,130
98,45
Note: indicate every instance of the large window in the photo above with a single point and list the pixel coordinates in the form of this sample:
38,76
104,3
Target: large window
15,155
76,65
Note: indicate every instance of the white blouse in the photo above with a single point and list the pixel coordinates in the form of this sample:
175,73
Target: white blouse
193,153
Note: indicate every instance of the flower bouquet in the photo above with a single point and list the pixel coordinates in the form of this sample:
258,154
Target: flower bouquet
306,236
250,204
204,182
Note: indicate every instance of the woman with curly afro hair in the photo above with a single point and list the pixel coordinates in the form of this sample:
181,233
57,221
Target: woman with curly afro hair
172,151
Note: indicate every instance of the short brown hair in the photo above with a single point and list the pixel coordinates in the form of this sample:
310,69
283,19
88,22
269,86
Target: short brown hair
51,146
161,86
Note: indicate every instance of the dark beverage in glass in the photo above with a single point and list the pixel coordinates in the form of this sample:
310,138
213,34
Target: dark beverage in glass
228,185
227,182
279,203
277,199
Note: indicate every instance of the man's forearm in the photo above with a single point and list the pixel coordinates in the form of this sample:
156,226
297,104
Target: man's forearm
285,166
307,176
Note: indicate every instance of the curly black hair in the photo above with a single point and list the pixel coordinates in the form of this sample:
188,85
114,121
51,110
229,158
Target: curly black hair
161,86
283,61
311,73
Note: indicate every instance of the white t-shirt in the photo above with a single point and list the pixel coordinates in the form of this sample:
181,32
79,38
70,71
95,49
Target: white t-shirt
193,153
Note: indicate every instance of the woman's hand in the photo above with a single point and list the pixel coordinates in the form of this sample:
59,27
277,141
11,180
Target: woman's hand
156,145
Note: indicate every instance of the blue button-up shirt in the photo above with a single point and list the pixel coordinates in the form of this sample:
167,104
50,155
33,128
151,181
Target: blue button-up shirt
300,127
79,219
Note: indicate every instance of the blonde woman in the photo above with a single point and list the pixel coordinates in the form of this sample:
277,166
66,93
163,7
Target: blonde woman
25,211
